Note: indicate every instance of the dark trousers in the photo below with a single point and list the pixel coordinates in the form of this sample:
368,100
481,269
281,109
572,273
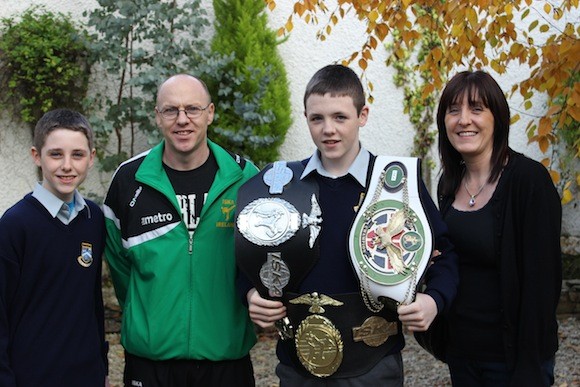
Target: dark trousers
141,372
388,372
466,373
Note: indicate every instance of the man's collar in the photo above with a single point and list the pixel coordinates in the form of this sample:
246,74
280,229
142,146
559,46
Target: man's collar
358,169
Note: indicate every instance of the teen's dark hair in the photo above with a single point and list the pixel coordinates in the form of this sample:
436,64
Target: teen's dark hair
338,81
61,119
475,86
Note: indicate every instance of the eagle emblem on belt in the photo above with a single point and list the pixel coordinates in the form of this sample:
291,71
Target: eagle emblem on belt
316,301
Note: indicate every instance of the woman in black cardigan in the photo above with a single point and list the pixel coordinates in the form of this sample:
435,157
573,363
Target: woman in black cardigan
504,217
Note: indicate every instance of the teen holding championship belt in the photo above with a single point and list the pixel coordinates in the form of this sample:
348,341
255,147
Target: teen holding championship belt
332,337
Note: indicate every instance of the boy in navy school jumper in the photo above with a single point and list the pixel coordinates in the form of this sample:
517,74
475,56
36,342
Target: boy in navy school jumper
335,110
51,242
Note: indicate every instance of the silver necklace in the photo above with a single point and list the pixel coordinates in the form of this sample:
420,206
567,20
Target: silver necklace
472,197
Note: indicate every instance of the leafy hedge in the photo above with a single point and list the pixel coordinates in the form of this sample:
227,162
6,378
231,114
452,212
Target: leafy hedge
43,62
254,114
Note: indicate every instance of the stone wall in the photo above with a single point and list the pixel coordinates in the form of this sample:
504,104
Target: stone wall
570,298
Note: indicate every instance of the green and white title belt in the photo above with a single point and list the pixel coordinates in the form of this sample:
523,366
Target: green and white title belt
390,242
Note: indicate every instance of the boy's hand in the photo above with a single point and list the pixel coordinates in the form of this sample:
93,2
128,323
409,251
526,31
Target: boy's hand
264,312
418,315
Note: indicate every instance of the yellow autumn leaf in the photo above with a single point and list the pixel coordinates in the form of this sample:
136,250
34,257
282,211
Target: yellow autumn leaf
515,49
551,81
456,30
547,7
437,53
362,63
543,144
289,26
299,9
271,5
471,17
555,175
553,110
381,31
545,126
567,196
427,89
509,8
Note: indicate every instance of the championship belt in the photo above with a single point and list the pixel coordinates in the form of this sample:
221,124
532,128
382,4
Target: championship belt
390,242
277,228
337,336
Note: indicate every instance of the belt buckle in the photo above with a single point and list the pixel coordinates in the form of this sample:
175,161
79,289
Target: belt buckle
319,344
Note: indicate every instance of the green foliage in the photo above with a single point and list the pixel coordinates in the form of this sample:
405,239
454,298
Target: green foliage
568,153
418,105
253,100
138,44
43,63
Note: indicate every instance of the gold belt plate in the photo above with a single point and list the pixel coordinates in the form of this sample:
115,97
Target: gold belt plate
374,331
319,345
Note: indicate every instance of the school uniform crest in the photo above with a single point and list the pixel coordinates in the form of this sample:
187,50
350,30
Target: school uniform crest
86,257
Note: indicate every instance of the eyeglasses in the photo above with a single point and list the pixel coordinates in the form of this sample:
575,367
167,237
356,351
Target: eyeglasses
171,112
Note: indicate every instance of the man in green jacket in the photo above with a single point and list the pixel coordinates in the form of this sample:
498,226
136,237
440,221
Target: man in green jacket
170,221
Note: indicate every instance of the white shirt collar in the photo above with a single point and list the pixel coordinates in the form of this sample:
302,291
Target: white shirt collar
358,169
57,207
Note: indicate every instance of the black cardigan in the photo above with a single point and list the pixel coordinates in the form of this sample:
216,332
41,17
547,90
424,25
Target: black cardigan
527,222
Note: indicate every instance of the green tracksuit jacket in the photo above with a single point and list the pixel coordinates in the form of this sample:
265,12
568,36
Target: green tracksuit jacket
177,293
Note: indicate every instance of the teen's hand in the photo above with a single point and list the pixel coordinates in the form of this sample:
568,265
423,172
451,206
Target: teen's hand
264,312
418,315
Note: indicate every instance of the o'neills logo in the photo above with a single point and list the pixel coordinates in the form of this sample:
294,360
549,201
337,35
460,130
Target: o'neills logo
134,200
159,218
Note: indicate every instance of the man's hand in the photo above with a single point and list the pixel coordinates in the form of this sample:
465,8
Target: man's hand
418,315
264,313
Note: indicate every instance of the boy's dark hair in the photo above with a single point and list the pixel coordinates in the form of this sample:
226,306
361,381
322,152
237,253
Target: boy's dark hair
338,81
61,119
473,85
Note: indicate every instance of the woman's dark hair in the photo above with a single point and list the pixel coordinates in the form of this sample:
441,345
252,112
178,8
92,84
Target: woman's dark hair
473,85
